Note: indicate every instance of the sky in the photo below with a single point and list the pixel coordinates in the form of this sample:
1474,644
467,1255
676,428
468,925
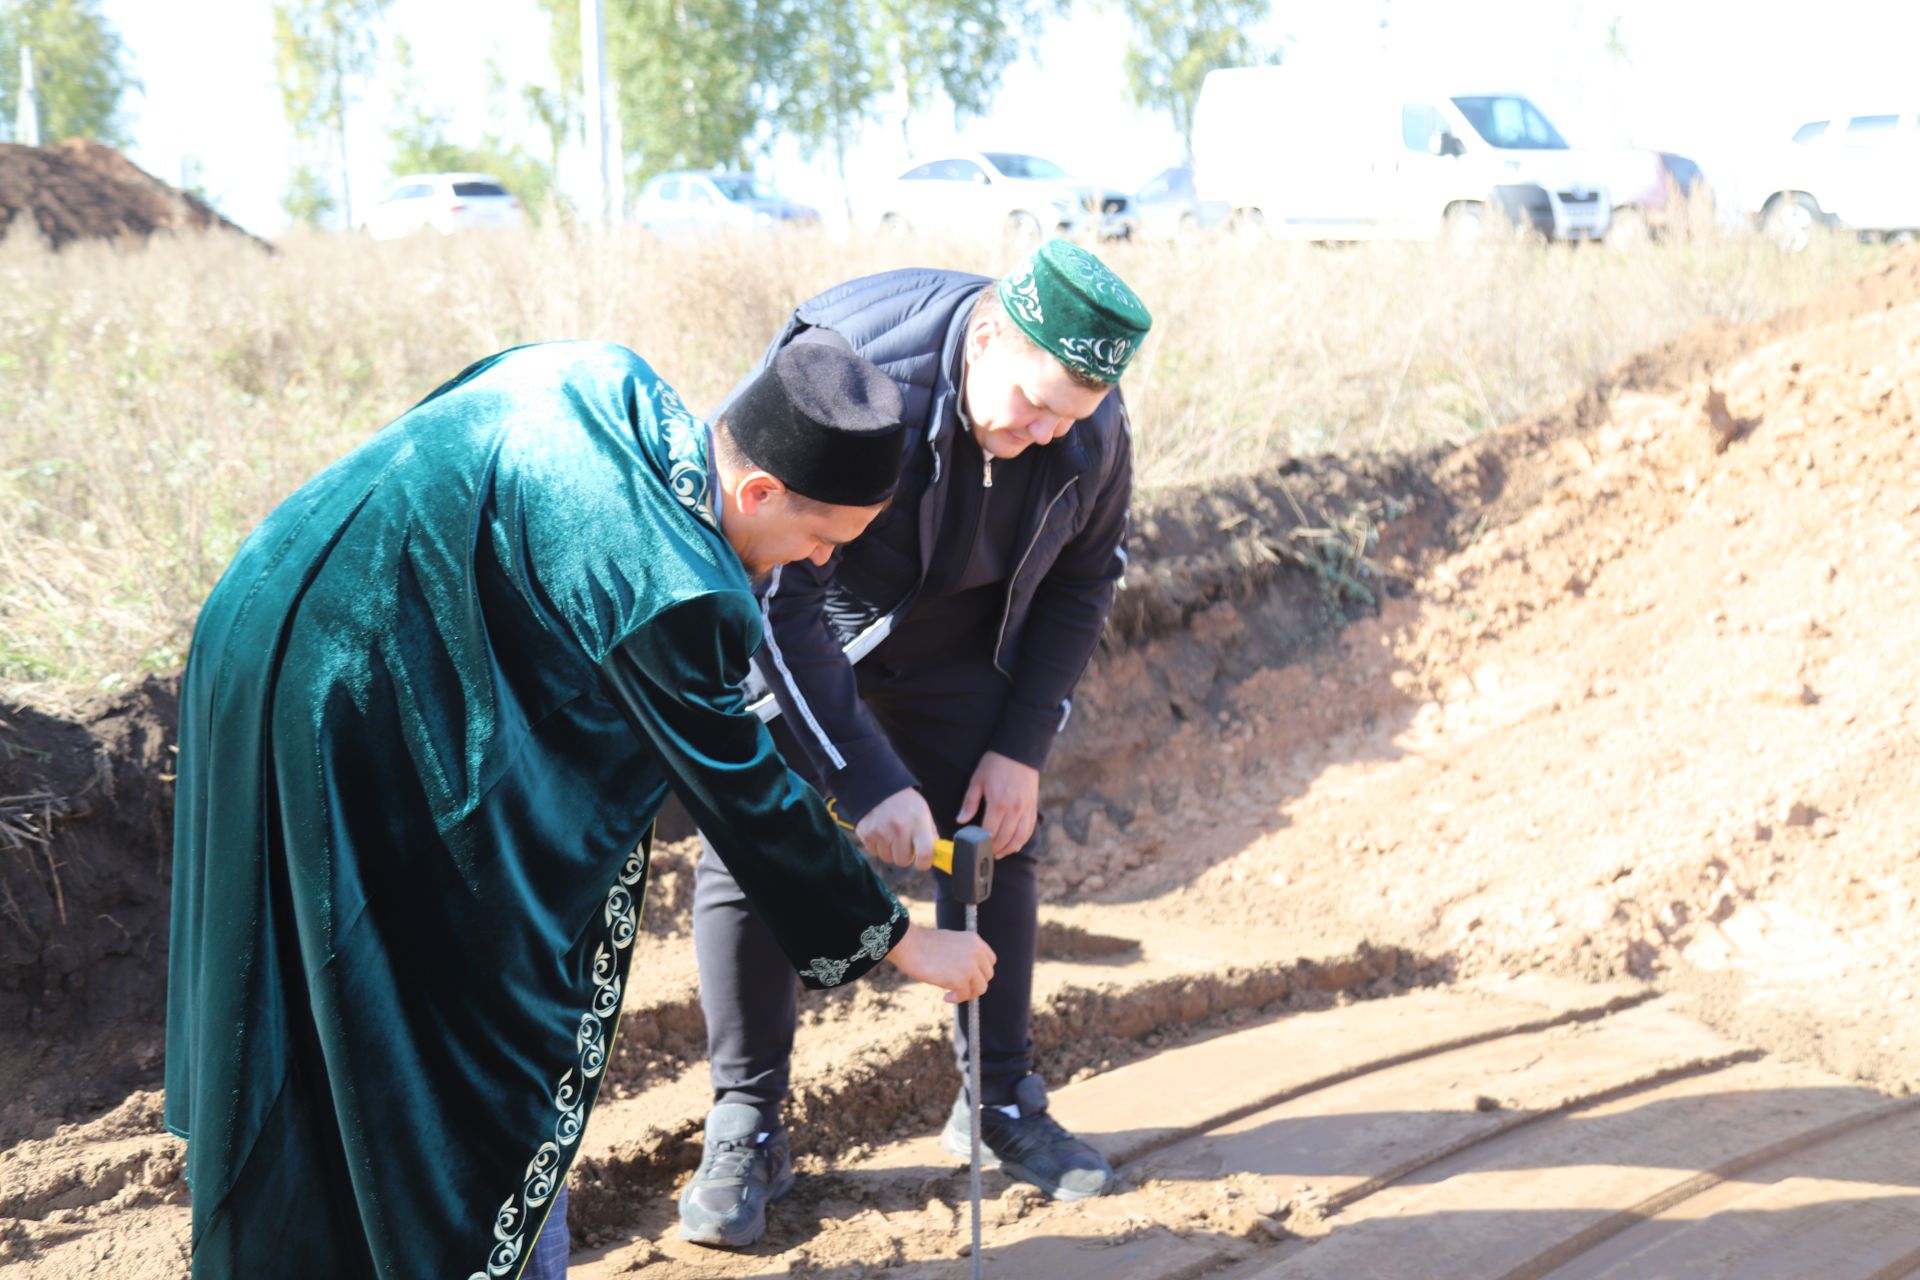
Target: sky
1713,79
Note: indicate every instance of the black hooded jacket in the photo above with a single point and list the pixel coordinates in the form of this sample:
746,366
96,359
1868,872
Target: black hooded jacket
1071,547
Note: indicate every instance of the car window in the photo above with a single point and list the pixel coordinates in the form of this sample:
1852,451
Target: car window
666,189
1169,184
478,189
947,171
1809,131
416,191
966,171
1511,123
697,192
1418,124
919,172
1684,172
1015,165
1871,128
738,186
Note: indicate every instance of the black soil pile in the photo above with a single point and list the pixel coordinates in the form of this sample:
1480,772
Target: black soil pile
81,190
86,827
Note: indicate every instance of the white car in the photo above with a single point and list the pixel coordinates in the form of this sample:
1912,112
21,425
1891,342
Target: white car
1853,173
983,193
700,201
446,202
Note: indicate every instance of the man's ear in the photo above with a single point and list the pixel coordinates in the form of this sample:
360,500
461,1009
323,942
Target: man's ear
755,490
982,334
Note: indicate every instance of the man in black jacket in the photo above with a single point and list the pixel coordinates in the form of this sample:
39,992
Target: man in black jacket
971,607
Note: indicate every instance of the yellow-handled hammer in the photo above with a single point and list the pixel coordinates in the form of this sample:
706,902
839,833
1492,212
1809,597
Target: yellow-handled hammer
967,859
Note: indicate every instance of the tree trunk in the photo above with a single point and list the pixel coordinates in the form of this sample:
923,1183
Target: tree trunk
340,124
840,166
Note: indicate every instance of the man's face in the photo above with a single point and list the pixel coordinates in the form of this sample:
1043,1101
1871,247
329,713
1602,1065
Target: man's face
1018,395
768,527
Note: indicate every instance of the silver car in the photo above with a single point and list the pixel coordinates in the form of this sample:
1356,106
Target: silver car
983,193
444,202
705,201
1169,210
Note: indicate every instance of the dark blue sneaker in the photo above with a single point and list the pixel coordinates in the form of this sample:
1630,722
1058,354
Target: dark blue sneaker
1031,1146
739,1175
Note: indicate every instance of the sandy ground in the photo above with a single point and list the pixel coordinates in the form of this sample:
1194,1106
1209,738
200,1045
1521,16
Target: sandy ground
1654,720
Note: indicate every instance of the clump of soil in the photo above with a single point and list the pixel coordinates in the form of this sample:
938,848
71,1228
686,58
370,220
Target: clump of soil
81,190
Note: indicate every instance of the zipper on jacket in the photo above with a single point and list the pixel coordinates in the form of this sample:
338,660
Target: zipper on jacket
986,470
1014,578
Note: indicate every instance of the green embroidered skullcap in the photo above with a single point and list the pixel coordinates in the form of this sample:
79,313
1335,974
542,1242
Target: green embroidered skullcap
1076,310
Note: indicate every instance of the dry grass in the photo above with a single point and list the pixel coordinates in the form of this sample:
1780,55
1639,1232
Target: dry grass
156,401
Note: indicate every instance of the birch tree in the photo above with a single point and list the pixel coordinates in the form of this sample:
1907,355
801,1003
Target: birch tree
324,50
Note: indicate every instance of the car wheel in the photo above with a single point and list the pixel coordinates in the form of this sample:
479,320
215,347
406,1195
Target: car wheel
1023,229
895,225
1789,220
1249,225
1463,226
1187,234
1902,237
1629,229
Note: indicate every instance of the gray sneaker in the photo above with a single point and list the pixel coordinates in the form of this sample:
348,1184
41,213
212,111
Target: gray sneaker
1032,1146
726,1203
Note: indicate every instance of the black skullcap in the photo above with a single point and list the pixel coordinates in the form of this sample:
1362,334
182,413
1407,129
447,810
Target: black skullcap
825,423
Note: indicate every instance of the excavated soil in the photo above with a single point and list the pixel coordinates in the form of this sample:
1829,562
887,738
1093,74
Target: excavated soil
81,190
1623,693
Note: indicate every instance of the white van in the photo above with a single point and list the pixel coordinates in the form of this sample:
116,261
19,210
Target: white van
1340,154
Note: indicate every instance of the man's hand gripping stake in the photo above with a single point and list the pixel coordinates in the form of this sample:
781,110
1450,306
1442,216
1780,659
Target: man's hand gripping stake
968,861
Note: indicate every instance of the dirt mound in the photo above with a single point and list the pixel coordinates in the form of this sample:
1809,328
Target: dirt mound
81,190
86,813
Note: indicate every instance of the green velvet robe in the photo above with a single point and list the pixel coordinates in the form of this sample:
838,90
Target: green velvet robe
429,714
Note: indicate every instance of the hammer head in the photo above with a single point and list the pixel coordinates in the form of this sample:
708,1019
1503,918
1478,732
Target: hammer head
972,864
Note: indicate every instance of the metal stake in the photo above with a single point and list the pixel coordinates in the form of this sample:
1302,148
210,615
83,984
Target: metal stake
973,1095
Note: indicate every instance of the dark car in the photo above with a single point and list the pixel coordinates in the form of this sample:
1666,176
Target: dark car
1169,210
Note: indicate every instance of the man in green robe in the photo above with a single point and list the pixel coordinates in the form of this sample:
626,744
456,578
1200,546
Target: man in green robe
430,712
